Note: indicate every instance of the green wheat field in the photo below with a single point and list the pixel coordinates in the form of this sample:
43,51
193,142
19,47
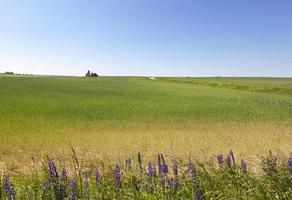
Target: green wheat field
114,117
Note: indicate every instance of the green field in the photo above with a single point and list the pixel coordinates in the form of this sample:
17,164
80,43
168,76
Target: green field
115,117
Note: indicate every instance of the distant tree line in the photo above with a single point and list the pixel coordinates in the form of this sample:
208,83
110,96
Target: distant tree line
91,74
17,74
9,73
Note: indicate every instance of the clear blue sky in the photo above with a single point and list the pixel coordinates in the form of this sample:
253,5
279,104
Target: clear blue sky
147,37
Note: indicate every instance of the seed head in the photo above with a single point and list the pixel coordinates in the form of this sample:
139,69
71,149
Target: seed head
159,163
140,162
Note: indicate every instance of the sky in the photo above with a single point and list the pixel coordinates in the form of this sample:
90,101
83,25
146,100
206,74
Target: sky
147,37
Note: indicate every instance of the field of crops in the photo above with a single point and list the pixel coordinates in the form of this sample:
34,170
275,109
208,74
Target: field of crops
109,119
114,117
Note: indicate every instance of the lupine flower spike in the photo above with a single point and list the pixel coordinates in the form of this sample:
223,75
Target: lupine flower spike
46,185
52,169
220,159
229,160
290,165
117,176
174,168
72,192
86,185
64,175
164,169
128,164
9,190
149,166
192,172
97,176
151,170
243,166
154,171
197,195
174,180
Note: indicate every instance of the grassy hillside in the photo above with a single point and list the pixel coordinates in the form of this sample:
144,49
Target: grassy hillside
116,116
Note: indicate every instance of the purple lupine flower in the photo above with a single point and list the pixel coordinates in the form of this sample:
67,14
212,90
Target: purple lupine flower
9,190
174,180
117,176
6,185
52,169
64,175
72,192
97,176
229,160
174,168
192,171
149,166
86,182
197,195
290,164
164,169
167,182
220,159
86,185
60,191
159,163
46,185
243,166
269,164
128,164
140,162
151,169
154,171
174,183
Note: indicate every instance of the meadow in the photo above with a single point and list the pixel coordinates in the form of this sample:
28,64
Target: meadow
116,117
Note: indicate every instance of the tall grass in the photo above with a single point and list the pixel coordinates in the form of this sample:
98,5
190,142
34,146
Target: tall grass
160,178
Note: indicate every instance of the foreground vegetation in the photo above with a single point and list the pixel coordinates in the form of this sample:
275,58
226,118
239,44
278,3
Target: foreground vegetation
155,179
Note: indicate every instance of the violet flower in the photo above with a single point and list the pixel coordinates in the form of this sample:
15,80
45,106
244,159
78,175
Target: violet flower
117,176
9,190
52,169
220,159
72,192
